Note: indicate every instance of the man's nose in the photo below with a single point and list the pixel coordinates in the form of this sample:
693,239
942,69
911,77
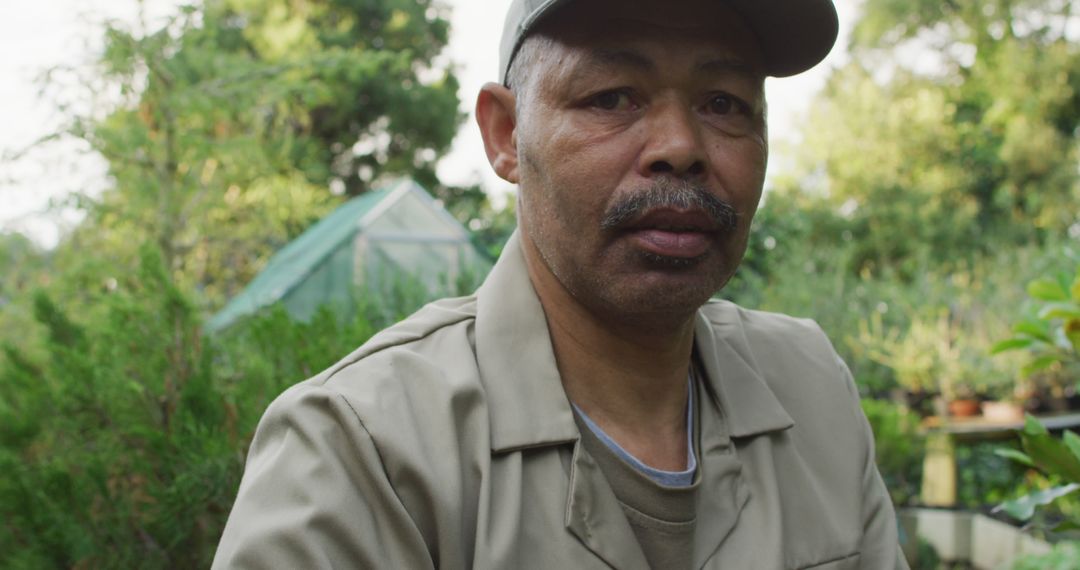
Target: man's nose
674,145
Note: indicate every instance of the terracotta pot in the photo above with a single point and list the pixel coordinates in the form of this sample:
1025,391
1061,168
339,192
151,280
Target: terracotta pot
1005,412
963,408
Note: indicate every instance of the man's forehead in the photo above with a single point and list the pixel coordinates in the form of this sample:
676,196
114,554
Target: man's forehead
593,61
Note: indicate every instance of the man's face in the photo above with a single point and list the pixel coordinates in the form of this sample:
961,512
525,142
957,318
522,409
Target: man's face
641,153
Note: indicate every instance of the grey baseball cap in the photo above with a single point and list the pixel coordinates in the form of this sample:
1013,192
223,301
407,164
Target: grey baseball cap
795,35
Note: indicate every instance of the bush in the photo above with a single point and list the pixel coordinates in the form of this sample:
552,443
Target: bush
1050,332
123,447
1065,556
120,452
900,448
926,329
926,557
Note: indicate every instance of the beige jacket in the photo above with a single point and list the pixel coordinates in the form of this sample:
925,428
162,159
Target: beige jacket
447,442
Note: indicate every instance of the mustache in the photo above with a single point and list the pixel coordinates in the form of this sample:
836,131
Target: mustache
674,194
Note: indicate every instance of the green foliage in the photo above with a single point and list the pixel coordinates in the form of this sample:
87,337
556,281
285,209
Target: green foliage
920,199
123,446
1064,556
936,171
227,131
969,148
926,557
928,357
1050,332
929,332
885,24
935,175
900,447
114,448
237,119
1024,507
784,271
22,267
21,260
1058,458
984,477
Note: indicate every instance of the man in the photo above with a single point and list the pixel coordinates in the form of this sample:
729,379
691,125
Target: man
590,407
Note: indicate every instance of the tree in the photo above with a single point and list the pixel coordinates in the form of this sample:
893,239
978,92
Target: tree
239,120
22,262
937,171
969,146
23,267
123,429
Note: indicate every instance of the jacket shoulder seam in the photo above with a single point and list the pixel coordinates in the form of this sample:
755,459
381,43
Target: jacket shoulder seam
363,352
378,454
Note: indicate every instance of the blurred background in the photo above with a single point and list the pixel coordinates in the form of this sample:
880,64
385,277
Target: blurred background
204,202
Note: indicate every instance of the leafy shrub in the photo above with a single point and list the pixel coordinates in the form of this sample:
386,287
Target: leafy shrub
927,557
121,453
900,448
123,447
1058,458
1065,556
983,477
1049,333
891,326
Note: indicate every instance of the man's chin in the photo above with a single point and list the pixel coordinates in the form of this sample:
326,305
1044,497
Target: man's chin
670,262
664,293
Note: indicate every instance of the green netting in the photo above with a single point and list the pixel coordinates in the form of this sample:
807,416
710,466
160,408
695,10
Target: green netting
435,265
324,286
385,236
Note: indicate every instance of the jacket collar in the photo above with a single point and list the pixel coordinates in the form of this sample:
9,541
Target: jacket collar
732,376
526,401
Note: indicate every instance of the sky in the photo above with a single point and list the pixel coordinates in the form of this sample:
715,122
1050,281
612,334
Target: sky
37,35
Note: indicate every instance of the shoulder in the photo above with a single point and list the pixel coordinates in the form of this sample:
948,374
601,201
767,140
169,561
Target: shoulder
361,446
413,335
394,431
397,385
792,355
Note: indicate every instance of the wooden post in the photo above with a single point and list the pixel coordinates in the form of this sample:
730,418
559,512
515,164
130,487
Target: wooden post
939,470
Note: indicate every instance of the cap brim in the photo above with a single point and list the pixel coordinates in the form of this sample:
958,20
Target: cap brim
794,35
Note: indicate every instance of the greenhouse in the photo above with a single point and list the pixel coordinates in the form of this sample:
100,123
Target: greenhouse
390,237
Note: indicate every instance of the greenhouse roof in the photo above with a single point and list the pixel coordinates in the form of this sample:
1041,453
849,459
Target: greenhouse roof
293,263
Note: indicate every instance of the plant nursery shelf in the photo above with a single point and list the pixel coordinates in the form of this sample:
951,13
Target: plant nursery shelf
939,464
979,428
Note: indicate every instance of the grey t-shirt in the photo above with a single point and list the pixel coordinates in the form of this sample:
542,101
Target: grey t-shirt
662,517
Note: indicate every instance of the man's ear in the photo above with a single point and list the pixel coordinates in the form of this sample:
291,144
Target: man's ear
496,114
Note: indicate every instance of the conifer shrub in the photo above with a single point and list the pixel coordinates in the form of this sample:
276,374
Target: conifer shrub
124,445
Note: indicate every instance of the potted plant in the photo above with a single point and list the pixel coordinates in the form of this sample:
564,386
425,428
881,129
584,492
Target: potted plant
927,357
1004,411
1001,397
1049,334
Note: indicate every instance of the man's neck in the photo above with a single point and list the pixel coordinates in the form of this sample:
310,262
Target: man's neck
630,379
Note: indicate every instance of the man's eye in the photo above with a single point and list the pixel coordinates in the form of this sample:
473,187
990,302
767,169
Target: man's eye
612,101
724,104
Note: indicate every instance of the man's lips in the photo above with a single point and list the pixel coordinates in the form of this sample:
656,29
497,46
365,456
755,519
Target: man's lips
673,233
675,220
